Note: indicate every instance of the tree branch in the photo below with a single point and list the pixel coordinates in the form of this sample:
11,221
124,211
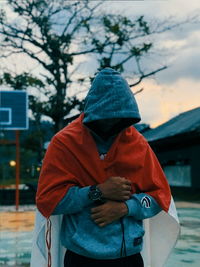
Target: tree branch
147,75
138,91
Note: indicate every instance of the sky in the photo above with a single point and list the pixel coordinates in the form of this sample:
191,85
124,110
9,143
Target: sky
176,89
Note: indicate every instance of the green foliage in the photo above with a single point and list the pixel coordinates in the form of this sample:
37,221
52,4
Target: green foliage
143,25
138,51
21,81
99,45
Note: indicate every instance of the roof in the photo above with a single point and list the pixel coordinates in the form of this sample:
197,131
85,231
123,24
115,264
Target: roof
142,127
185,122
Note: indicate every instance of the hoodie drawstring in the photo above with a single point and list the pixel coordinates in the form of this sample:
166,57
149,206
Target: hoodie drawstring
123,245
48,241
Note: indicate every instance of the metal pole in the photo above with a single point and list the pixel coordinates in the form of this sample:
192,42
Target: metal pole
17,168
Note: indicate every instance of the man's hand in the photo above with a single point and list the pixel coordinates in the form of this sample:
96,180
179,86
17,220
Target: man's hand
108,212
116,188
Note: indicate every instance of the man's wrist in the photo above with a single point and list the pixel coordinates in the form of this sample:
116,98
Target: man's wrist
95,194
100,187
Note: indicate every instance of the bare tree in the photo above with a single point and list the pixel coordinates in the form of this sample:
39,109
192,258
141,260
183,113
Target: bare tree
54,33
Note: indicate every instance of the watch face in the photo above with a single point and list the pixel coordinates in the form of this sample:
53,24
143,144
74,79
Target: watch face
95,194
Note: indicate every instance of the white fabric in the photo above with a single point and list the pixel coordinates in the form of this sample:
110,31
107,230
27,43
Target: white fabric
161,234
39,250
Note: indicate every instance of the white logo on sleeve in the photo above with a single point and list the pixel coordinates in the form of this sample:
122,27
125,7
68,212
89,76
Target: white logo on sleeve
146,202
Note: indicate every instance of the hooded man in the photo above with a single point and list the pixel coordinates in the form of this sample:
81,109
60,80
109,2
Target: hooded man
101,178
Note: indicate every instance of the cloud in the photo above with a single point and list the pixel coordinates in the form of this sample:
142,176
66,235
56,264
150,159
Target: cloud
156,9
177,48
159,103
186,58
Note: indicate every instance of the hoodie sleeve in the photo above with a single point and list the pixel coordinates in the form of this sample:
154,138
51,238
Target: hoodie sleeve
74,201
142,206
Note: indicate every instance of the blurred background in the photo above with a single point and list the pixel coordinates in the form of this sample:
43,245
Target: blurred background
50,51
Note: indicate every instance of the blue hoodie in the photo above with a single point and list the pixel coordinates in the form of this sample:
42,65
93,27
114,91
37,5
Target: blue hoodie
109,98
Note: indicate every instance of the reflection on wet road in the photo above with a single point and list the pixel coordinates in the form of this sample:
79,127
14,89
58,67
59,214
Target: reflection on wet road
187,250
16,235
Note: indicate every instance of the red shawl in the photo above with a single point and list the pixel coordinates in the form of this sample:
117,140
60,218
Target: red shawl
72,159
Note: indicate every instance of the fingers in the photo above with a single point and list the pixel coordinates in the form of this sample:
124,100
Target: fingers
122,198
126,193
97,209
101,223
107,213
124,181
96,216
126,197
99,219
116,188
121,179
127,190
127,182
126,187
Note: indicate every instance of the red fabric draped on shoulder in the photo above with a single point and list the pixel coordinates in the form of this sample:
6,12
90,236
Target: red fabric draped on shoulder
72,159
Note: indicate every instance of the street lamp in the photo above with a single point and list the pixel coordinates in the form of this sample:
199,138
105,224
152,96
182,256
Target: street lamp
12,163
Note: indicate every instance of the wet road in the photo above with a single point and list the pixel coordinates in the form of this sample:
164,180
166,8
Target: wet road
16,234
187,250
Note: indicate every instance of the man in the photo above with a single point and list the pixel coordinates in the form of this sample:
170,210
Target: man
101,175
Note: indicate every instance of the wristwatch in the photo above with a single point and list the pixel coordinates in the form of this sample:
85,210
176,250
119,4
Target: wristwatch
95,194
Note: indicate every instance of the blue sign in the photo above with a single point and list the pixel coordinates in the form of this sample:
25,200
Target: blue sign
13,110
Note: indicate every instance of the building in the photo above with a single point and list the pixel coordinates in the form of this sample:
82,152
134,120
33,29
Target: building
177,146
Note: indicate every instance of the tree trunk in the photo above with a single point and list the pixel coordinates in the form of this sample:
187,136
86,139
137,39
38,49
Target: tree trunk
58,125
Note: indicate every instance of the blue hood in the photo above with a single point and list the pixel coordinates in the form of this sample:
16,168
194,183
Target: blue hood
110,97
